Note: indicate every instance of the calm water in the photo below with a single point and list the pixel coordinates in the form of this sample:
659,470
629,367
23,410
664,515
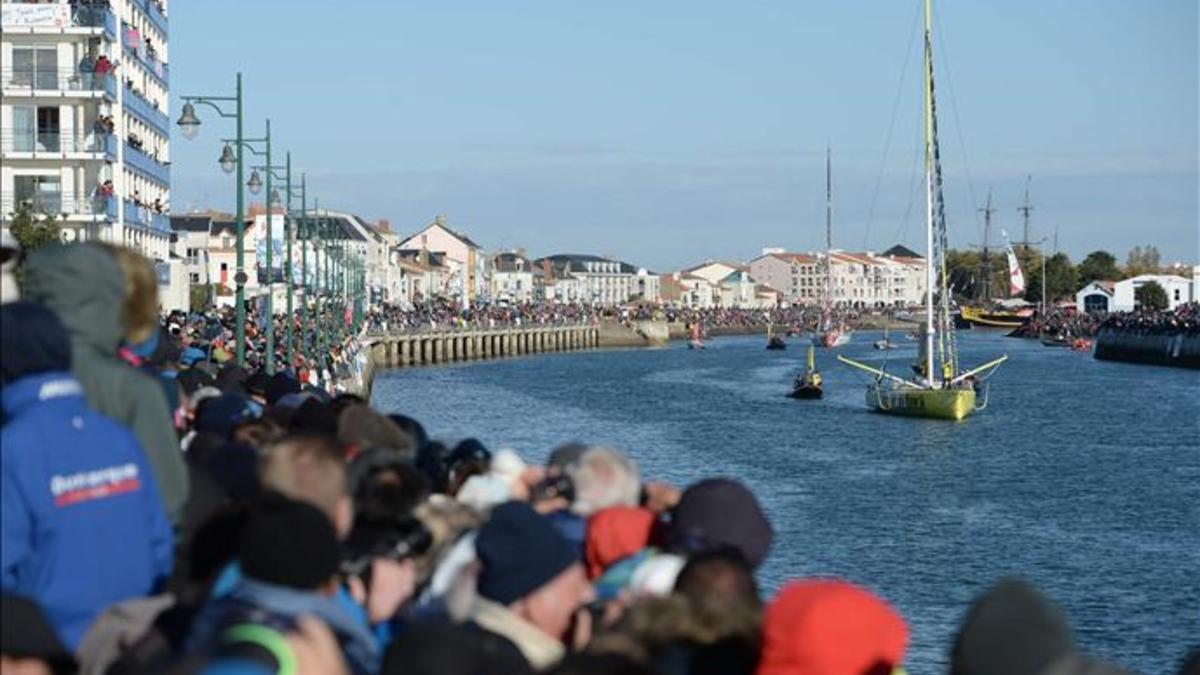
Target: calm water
1081,475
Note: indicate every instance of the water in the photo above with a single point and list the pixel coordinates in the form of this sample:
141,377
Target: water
1083,476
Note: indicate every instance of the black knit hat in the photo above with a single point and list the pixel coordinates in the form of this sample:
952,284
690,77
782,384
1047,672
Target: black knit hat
281,385
520,552
720,513
1011,629
288,543
26,633
33,341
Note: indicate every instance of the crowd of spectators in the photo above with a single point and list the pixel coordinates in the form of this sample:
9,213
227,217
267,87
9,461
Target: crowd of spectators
1185,319
165,510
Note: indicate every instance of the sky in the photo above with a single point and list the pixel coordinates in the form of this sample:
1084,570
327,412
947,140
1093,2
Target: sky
668,133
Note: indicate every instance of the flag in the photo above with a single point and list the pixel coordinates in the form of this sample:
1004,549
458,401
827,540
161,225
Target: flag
1016,279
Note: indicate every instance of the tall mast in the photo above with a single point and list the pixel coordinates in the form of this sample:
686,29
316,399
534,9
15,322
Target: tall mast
1025,210
828,230
985,262
930,373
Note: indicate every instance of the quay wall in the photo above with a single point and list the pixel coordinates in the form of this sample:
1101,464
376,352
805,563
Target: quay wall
1181,351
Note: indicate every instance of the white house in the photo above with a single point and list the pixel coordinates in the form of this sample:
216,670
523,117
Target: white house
512,277
1179,291
1097,296
600,281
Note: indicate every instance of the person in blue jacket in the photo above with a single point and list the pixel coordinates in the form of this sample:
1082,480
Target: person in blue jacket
82,524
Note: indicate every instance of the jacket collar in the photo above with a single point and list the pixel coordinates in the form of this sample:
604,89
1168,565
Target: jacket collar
40,388
539,649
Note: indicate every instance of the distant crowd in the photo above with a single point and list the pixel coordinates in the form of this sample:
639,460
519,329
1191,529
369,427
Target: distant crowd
168,511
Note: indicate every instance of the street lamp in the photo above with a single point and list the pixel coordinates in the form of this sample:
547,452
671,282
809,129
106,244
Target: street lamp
255,183
189,126
228,160
287,236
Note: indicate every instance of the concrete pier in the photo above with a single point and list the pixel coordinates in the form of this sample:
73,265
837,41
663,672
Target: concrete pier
429,348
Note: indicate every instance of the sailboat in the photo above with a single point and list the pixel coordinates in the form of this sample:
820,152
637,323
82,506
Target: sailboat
940,389
830,332
808,383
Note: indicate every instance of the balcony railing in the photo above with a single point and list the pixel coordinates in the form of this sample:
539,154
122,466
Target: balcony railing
154,12
58,80
51,145
147,165
56,206
147,112
146,217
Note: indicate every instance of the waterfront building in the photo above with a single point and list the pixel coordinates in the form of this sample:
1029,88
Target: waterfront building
860,280
464,258
689,290
189,245
1097,296
595,280
1124,296
512,277
84,125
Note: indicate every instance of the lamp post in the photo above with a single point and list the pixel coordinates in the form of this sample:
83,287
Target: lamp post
287,236
255,185
189,125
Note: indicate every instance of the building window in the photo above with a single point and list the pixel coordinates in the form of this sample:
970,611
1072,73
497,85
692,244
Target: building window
195,277
35,67
43,193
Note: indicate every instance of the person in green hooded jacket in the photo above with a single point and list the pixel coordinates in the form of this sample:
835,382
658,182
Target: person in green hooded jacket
84,284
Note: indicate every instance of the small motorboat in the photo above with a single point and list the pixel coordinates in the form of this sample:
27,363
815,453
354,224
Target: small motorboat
884,344
1059,340
774,341
808,384
1081,345
696,344
697,337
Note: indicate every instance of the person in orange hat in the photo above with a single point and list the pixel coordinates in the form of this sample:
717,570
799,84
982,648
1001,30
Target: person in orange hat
831,627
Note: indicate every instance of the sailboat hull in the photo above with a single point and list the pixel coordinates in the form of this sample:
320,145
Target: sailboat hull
831,339
945,404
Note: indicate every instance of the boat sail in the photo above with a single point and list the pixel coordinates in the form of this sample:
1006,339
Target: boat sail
831,332
940,389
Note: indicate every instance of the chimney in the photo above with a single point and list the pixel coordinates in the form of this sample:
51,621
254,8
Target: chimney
384,225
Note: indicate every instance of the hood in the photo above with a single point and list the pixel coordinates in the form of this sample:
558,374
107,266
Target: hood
83,285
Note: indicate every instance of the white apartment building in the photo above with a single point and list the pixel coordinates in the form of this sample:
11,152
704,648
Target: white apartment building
84,127
600,281
860,280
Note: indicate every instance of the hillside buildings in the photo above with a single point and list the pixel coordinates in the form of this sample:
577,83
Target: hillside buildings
861,280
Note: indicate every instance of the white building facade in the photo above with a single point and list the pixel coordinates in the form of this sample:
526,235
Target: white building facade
1124,299
861,280
512,278
84,125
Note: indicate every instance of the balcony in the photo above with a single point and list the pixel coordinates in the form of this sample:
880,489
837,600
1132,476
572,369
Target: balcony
16,145
146,217
136,50
57,82
146,112
41,19
66,207
147,166
152,11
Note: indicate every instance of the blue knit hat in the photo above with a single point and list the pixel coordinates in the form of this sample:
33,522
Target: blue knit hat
521,552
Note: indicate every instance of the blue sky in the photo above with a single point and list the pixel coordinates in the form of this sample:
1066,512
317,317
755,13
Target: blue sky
669,132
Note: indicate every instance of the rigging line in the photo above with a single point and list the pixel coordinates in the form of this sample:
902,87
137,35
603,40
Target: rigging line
914,184
887,144
962,144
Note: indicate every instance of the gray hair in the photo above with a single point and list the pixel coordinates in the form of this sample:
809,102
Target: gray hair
604,477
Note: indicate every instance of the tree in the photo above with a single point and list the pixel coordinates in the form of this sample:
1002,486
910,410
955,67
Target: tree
1098,266
1143,261
1061,278
33,230
199,297
1151,296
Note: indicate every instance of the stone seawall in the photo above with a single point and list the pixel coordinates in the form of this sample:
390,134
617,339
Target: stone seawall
1180,351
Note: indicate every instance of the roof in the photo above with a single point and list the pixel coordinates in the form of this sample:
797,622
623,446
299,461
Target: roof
196,223
338,226
577,260
793,257
511,262
1108,287
900,251
220,227
736,266
440,221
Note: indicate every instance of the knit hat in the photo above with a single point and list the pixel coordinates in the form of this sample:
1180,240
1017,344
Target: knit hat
25,633
281,385
256,383
615,533
288,543
830,627
718,513
1011,629
520,552
221,414
33,341
192,379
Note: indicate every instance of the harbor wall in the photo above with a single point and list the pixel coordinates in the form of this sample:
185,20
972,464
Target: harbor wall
1181,351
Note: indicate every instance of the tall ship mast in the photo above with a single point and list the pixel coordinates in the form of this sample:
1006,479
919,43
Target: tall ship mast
940,389
830,332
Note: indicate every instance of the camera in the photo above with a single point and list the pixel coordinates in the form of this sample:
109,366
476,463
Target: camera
553,487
